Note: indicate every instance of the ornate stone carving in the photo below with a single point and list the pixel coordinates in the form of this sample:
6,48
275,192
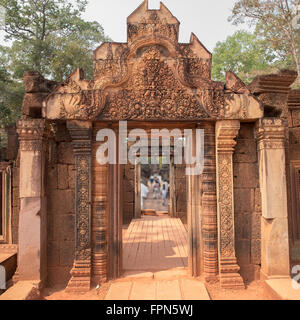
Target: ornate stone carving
152,77
271,133
31,133
81,141
226,131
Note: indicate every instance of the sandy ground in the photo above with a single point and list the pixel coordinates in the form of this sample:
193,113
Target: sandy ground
254,291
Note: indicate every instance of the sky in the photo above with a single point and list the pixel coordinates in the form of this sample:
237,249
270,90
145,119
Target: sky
206,18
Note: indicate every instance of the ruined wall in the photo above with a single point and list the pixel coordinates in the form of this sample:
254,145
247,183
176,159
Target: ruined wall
247,202
12,156
60,184
128,187
294,169
15,202
294,125
180,193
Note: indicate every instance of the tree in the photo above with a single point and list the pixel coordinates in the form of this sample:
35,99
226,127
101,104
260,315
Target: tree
277,21
50,36
11,93
244,54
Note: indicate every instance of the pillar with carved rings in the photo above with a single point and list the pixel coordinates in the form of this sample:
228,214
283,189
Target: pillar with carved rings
226,132
81,135
209,205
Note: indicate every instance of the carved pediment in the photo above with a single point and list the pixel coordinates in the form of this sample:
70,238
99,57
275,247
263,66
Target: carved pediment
151,77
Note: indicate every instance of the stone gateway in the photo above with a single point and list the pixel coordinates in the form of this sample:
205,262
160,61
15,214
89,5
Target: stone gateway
241,215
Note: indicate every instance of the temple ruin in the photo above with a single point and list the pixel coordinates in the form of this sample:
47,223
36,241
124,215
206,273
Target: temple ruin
62,212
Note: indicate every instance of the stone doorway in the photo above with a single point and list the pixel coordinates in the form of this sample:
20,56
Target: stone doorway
149,241
155,189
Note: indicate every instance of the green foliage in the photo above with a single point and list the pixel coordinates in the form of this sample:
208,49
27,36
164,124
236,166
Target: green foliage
48,36
11,95
276,22
244,54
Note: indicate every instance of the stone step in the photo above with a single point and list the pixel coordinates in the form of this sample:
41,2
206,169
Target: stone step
151,289
282,289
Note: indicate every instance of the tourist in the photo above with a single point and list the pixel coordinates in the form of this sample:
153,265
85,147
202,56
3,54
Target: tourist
156,189
164,193
144,194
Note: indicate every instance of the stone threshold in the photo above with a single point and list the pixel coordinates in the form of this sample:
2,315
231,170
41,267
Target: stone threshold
282,289
22,290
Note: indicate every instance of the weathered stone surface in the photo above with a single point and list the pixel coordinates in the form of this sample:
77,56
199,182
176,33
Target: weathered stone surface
61,202
242,225
53,253
32,104
35,82
242,106
296,118
243,200
243,251
51,178
65,153
62,176
257,200
66,253
235,84
71,176
256,251
250,272
183,91
256,226
245,175
67,229
245,151
58,275
15,177
275,248
247,131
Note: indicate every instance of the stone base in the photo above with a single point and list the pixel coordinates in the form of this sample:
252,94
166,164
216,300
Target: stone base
80,281
232,281
229,276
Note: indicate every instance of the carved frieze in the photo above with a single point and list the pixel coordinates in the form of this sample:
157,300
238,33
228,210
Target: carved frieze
271,133
151,77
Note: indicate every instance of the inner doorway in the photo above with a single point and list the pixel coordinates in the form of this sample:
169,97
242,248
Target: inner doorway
155,189
155,239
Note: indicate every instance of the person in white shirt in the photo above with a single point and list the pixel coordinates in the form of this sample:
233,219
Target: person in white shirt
144,194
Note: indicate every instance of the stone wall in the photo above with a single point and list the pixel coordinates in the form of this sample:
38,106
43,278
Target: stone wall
15,202
294,125
60,175
128,187
180,192
294,167
247,201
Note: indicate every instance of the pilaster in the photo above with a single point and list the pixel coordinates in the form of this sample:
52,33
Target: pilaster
81,134
271,137
32,254
226,132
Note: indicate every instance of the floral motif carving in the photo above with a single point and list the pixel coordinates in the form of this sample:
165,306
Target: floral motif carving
226,131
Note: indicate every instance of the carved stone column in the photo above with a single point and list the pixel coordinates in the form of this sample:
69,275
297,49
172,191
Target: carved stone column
81,140
272,175
226,132
32,254
209,205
